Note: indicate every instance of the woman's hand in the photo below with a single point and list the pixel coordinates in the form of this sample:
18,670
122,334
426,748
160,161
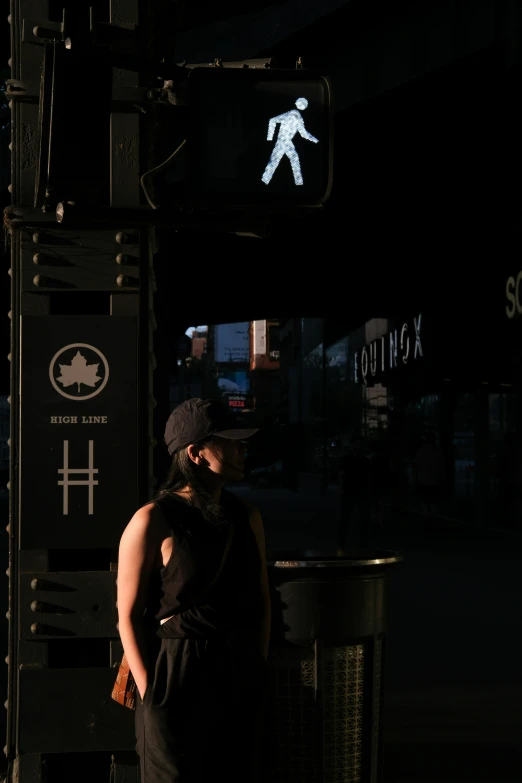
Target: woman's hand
141,688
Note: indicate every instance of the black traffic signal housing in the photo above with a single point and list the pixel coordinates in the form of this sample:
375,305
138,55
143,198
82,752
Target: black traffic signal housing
259,138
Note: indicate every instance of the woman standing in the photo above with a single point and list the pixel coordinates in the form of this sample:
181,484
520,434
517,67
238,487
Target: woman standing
199,663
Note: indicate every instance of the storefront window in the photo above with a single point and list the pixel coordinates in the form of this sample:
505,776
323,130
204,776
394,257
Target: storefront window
342,397
503,457
314,408
464,446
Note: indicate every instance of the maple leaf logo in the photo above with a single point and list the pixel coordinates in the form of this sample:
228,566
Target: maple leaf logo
78,371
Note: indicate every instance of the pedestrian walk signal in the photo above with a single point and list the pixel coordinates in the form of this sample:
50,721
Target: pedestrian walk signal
291,123
259,137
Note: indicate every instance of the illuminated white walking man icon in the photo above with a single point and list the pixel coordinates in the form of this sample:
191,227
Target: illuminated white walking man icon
291,123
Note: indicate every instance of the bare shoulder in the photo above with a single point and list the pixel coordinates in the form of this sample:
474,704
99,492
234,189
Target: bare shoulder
148,523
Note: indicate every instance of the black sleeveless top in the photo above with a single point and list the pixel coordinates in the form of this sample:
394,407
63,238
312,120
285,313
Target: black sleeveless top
233,603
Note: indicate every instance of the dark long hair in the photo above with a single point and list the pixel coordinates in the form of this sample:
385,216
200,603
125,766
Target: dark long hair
183,472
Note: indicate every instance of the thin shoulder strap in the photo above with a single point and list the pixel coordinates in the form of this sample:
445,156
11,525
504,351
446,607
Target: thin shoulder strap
202,593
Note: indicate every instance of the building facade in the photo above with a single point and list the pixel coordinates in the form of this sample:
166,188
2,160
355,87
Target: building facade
198,343
447,374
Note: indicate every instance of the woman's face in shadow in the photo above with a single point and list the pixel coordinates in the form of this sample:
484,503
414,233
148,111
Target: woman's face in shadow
225,458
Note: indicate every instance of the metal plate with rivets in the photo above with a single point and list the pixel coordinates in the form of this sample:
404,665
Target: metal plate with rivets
68,605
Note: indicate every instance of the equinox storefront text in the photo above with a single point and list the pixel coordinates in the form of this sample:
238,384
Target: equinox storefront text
395,349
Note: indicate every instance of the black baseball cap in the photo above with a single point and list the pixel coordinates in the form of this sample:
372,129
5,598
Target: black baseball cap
196,419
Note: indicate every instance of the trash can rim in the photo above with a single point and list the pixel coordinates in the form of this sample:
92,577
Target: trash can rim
338,562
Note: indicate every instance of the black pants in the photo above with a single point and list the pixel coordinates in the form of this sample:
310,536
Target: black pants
349,502
202,714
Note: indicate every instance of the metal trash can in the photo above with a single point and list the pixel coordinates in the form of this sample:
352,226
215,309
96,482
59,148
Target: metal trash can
327,662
